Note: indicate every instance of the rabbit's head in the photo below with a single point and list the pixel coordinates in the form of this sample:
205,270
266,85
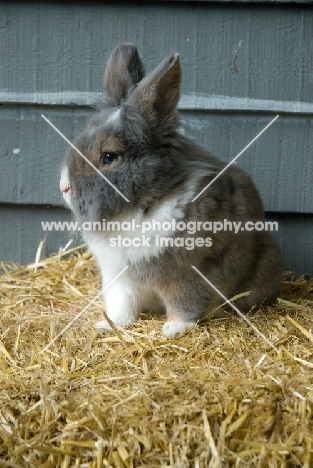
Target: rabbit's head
133,141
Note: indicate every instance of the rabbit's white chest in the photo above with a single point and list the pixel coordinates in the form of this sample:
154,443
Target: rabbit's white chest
136,237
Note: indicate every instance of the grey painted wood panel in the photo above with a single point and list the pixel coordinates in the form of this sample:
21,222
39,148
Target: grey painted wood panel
31,152
295,237
52,47
21,232
280,161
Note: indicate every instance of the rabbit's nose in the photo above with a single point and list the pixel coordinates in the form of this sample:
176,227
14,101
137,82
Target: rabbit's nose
65,188
64,182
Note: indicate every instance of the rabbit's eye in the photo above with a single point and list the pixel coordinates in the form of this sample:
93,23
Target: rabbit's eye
107,158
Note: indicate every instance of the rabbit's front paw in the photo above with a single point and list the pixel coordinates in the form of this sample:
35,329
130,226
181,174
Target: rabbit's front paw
174,329
103,326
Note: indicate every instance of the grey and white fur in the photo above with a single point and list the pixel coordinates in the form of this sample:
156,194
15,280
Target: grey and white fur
134,140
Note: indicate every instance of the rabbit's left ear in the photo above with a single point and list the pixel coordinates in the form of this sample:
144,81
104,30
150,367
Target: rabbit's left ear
123,71
157,95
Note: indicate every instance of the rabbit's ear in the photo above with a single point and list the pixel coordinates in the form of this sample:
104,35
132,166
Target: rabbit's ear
123,71
157,95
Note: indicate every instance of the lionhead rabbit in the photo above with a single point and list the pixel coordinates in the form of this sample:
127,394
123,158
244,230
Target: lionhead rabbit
135,142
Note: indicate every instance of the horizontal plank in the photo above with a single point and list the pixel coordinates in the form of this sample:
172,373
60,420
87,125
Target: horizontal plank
280,162
191,101
21,233
257,53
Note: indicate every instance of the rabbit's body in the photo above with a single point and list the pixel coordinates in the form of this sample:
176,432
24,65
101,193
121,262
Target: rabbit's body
135,142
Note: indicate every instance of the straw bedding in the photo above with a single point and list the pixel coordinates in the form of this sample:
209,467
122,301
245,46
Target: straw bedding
219,396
